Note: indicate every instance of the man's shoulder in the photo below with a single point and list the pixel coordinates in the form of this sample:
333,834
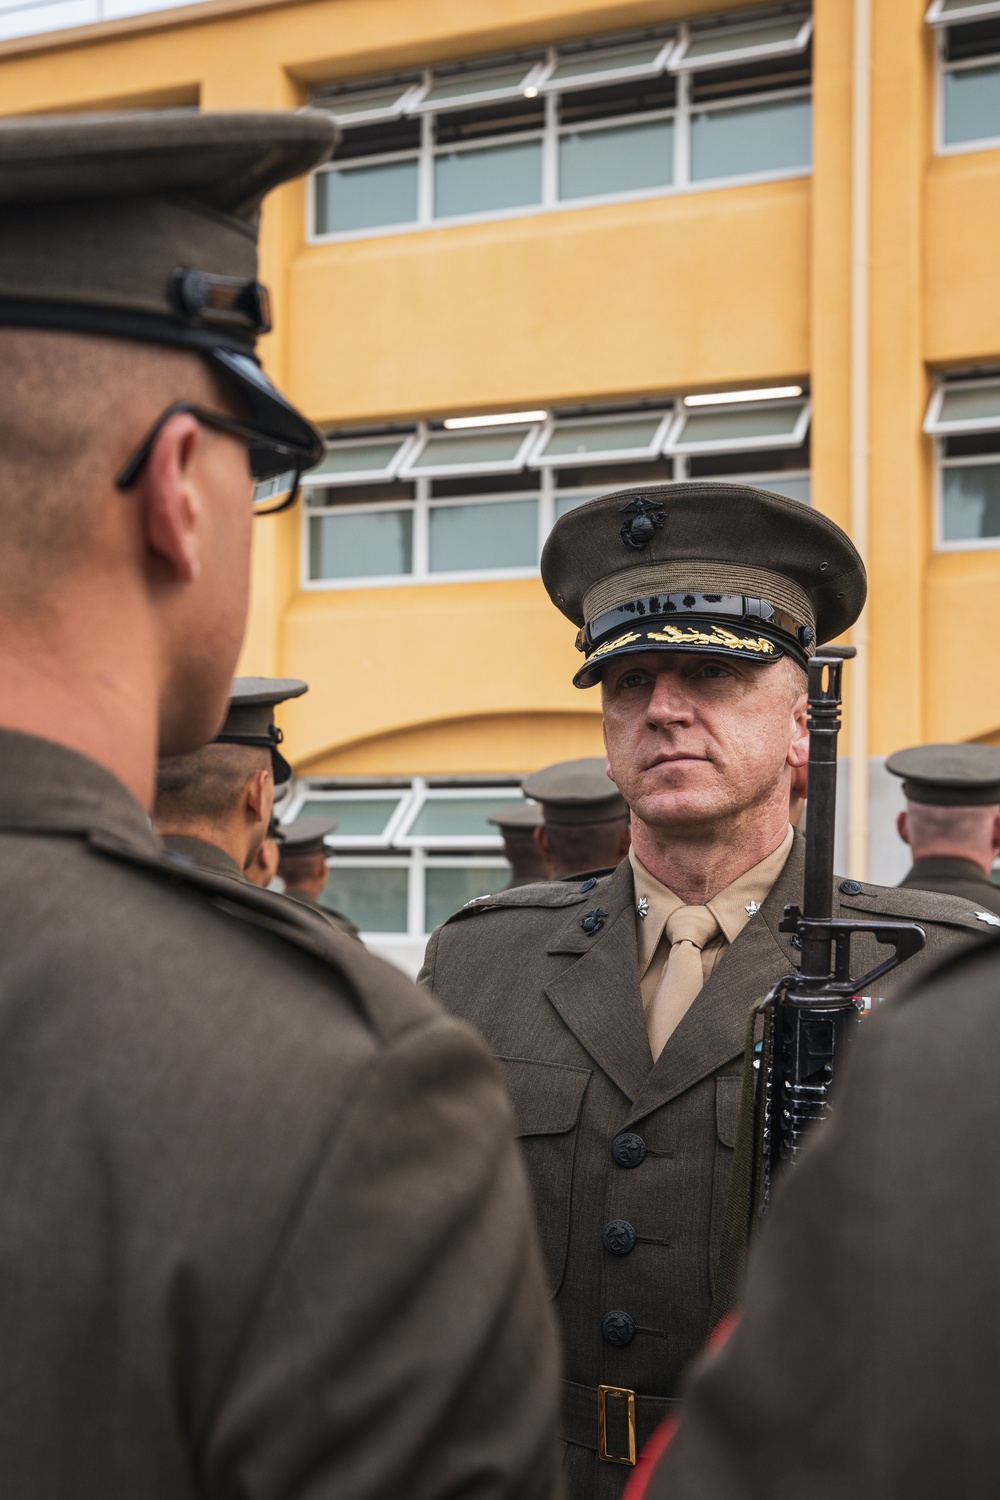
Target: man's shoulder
544,903
910,904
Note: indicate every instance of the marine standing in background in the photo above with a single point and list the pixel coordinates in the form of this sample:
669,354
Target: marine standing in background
952,819
302,865
263,867
618,1006
214,805
584,828
265,1231
517,823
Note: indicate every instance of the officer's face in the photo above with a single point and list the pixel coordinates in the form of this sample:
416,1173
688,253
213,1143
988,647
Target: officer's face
694,739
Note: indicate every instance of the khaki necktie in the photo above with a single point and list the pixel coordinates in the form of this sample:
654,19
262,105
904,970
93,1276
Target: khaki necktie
688,929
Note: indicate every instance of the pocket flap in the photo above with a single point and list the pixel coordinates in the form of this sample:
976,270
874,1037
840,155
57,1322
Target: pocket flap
727,1108
546,1096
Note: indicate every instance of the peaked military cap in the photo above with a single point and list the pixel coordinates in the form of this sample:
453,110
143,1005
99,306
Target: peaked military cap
949,775
521,815
250,720
307,836
703,566
144,226
576,791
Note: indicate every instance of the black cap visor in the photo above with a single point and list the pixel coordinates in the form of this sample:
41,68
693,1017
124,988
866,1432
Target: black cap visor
704,636
286,440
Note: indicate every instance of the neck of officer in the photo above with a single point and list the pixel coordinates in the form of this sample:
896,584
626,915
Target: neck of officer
87,678
698,860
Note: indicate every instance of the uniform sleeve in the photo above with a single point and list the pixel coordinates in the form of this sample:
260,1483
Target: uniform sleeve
427,971
868,1355
403,1348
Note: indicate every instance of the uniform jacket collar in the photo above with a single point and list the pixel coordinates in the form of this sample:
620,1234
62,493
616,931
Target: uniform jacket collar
48,788
206,856
944,868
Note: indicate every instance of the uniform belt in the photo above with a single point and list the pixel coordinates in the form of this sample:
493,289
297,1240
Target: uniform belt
613,1420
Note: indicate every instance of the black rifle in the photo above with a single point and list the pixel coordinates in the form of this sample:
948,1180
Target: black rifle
810,1017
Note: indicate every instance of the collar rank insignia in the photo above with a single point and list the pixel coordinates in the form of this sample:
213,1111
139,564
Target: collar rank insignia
644,518
752,909
989,916
642,906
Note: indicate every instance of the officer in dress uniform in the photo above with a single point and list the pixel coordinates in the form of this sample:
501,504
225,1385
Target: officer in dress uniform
617,1007
265,1230
214,805
517,823
584,828
263,868
302,866
952,819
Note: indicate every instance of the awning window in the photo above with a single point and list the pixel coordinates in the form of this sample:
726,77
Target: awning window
969,406
601,440
720,429
363,460
730,45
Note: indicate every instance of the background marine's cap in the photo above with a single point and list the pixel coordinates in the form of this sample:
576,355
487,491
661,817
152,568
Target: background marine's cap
949,775
517,815
727,569
307,836
575,792
144,226
250,720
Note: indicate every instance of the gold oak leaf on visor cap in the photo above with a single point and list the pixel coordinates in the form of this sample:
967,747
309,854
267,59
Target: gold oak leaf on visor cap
701,566
144,227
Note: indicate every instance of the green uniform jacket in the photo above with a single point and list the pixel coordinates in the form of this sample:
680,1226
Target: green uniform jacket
264,1228
561,1010
954,877
867,1362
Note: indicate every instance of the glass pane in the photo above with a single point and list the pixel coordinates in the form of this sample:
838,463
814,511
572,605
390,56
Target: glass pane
722,44
368,544
971,498
569,439
475,448
589,64
728,426
623,160
978,404
447,890
359,458
496,177
374,897
357,817
566,503
372,101
751,138
795,488
986,7
470,86
472,537
366,197
972,104
457,817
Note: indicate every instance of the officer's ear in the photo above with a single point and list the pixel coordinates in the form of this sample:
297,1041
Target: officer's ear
255,798
903,825
170,498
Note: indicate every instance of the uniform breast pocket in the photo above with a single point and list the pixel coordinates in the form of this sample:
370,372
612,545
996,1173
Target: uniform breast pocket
547,1099
727,1113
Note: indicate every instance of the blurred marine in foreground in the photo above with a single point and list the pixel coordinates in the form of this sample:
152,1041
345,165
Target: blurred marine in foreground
265,1230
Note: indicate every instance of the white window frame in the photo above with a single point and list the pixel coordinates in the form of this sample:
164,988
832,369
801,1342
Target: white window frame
538,459
674,443
933,424
476,100
304,793
970,544
409,95
424,794
550,135
549,84
412,470
936,15
385,475
941,71
731,57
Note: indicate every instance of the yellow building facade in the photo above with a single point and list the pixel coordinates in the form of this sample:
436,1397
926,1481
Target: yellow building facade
656,238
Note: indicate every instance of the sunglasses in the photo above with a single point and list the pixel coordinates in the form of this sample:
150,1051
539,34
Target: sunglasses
276,475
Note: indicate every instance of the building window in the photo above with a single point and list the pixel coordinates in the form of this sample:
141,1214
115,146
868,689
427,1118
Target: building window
406,854
969,72
964,417
641,114
430,504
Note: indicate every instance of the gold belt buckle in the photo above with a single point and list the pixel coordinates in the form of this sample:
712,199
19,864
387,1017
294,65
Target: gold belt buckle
603,1392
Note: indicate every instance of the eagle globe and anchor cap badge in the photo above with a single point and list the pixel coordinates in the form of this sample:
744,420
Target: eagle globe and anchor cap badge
701,566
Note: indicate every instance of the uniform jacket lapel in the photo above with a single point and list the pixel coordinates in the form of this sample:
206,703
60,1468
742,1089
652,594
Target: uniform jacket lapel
713,1032
598,995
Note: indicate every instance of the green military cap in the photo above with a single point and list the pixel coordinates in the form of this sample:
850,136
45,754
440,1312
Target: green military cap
576,791
703,566
250,720
949,775
307,836
525,815
144,226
